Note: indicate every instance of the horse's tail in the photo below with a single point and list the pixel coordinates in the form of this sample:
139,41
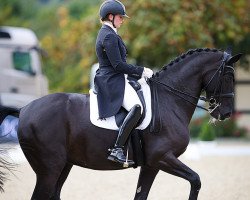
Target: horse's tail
5,111
6,166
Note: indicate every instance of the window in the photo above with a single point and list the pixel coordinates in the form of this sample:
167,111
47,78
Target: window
22,61
4,35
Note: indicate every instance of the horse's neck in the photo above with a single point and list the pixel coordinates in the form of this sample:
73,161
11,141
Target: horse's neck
186,77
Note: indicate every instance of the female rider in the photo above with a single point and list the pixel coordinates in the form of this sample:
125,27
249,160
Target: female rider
111,84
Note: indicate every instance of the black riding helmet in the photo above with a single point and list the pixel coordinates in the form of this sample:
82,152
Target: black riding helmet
113,7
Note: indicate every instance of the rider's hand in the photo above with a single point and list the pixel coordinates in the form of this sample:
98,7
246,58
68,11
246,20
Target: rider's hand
147,73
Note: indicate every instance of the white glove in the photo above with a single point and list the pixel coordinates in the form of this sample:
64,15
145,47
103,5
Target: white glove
147,73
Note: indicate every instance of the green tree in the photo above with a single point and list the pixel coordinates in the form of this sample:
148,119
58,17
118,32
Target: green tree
17,13
160,30
72,52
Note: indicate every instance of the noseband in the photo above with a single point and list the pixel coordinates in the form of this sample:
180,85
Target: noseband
213,104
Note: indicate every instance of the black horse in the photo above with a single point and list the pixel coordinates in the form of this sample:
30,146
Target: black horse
55,131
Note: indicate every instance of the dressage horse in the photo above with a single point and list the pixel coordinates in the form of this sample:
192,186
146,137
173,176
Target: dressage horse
55,131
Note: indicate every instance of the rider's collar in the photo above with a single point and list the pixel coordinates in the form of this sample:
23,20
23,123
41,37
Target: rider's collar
111,26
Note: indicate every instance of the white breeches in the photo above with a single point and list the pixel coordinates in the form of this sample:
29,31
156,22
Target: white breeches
130,97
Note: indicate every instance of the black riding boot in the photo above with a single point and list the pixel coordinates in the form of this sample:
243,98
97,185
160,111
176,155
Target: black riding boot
128,124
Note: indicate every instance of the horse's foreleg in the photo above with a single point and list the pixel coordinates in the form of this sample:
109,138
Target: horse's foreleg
170,164
146,179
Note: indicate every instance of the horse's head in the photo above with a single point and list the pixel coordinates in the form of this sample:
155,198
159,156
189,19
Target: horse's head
219,87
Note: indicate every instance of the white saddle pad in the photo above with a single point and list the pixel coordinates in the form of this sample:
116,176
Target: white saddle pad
110,123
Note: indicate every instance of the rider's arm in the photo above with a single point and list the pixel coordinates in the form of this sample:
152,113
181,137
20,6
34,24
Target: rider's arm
112,49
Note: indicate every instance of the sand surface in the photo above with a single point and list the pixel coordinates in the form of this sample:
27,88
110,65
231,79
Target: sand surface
224,171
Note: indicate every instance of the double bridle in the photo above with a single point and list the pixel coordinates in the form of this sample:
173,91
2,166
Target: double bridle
213,103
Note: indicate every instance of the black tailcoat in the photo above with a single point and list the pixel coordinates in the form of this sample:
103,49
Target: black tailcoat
109,79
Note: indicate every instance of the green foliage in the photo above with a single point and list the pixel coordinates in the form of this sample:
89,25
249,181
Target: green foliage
227,128
72,50
16,12
230,128
207,132
156,32
160,30
79,9
195,126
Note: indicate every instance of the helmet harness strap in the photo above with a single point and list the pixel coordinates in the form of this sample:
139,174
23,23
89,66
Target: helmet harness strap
113,21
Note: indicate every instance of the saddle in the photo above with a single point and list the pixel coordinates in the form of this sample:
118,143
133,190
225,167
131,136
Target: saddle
120,116
114,122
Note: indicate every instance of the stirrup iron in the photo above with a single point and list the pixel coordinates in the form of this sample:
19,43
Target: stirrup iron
126,164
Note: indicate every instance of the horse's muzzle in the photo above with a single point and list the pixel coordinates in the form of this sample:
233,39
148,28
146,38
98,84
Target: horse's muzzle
225,116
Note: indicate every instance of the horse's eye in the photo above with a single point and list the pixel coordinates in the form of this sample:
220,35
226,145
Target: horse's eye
228,79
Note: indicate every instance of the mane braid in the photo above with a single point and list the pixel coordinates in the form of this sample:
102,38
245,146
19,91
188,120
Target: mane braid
184,55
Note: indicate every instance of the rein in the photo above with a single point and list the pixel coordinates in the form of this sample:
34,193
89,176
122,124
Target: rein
213,105
173,90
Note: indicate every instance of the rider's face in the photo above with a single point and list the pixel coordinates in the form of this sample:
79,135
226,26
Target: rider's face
118,21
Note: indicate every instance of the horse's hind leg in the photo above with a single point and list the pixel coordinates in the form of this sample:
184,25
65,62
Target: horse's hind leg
48,166
170,164
45,186
61,181
146,179
47,177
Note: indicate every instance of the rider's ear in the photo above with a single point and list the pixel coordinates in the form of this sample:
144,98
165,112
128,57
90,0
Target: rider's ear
110,17
234,59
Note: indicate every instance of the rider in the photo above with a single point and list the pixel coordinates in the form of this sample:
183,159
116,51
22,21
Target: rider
111,84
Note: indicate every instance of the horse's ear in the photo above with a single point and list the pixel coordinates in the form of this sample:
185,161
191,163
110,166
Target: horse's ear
234,59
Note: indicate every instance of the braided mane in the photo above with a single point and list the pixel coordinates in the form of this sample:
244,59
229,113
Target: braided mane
189,52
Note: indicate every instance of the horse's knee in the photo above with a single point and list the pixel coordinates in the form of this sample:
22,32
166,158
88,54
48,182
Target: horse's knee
195,182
